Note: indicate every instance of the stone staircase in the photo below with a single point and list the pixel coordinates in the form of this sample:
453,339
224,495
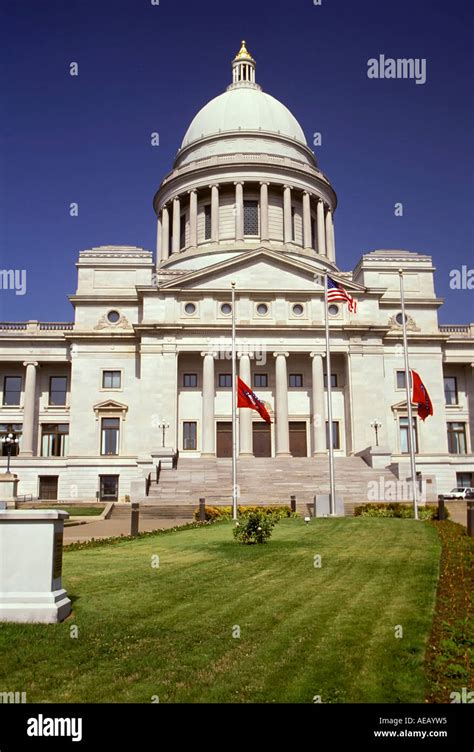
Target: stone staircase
261,481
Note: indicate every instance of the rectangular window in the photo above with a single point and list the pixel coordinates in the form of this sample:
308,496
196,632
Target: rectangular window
207,222
336,442
313,234
225,379
110,436
401,384
11,390
57,390
404,449
260,380
451,390
293,227
109,486
333,380
295,380
465,480
250,217
16,429
457,438
54,439
189,435
190,380
111,379
182,231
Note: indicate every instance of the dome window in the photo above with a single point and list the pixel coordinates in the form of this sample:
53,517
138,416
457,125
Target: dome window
190,308
399,318
297,309
113,317
251,218
262,309
226,309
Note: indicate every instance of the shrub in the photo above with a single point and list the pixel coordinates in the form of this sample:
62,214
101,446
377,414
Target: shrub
225,513
255,527
396,509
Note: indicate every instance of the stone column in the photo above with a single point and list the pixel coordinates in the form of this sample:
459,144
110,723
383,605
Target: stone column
264,231
307,222
245,415
159,239
193,218
208,443
287,228
321,228
239,211
215,213
329,236
318,417
176,224
29,409
281,405
165,242
333,240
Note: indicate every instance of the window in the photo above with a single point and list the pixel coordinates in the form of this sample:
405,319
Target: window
11,390
250,217
207,222
5,429
260,380
182,231
333,309
225,379
190,308
54,439
404,449
336,441
313,233
293,231
295,380
109,485
297,309
465,480
57,390
190,380
111,379
457,438
451,390
113,316
262,309
333,380
401,380
110,436
189,435
399,318
226,309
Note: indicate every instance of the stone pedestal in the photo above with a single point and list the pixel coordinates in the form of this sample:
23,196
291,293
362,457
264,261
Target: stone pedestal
165,456
322,505
378,457
8,489
31,546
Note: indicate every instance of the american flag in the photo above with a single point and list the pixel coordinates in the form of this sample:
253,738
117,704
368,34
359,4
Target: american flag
337,292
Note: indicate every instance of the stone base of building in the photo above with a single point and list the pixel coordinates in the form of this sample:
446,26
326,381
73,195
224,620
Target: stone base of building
41,608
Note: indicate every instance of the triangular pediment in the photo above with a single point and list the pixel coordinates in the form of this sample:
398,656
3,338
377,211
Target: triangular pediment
110,406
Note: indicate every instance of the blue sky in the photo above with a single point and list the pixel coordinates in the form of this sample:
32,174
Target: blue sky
145,68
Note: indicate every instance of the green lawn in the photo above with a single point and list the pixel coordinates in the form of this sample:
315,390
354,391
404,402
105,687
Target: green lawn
305,631
75,511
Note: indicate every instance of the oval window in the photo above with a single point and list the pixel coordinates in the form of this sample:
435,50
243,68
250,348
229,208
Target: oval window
113,316
262,309
298,309
190,308
399,318
333,310
226,308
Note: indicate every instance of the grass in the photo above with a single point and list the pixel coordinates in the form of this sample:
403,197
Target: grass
74,511
304,631
449,658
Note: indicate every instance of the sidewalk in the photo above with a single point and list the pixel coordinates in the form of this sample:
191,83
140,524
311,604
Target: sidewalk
111,528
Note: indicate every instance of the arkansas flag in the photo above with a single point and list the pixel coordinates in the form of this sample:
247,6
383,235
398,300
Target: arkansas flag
421,397
247,398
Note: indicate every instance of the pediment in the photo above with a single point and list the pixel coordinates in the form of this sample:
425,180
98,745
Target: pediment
110,406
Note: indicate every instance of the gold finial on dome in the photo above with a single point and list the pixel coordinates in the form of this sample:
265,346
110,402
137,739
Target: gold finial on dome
243,67
243,53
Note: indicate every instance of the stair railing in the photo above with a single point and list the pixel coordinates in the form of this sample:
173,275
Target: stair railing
148,484
158,471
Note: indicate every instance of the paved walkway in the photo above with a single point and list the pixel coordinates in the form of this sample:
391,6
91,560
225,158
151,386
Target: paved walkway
111,528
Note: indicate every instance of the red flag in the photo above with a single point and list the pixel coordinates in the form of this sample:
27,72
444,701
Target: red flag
421,397
247,398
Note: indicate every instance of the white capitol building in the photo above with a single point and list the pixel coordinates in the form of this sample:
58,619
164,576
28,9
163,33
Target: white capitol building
144,368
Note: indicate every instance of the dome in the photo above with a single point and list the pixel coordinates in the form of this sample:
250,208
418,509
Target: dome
245,108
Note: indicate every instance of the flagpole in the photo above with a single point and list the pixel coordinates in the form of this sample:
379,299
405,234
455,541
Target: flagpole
234,412
332,481
411,443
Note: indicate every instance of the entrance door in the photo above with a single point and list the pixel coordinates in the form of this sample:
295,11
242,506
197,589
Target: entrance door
48,487
262,439
224,440
298,446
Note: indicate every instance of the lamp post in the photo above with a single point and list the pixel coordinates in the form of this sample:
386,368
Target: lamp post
376,425
163,427
9,441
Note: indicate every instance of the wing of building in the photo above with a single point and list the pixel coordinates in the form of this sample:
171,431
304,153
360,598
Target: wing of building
144,368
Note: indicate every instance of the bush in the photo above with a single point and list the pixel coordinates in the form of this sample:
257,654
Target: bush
225,513
255,527
396,509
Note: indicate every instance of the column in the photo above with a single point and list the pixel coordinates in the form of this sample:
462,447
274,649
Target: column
239,211
321,228
307,222
29,409
333,240
318,417
159,233
287,224
245,416
165,238
215,213
193,219
208,393
329,236
264,231
281,406
176,224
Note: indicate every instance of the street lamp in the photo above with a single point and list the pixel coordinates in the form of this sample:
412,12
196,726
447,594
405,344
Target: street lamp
163,427
9,441
376,425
